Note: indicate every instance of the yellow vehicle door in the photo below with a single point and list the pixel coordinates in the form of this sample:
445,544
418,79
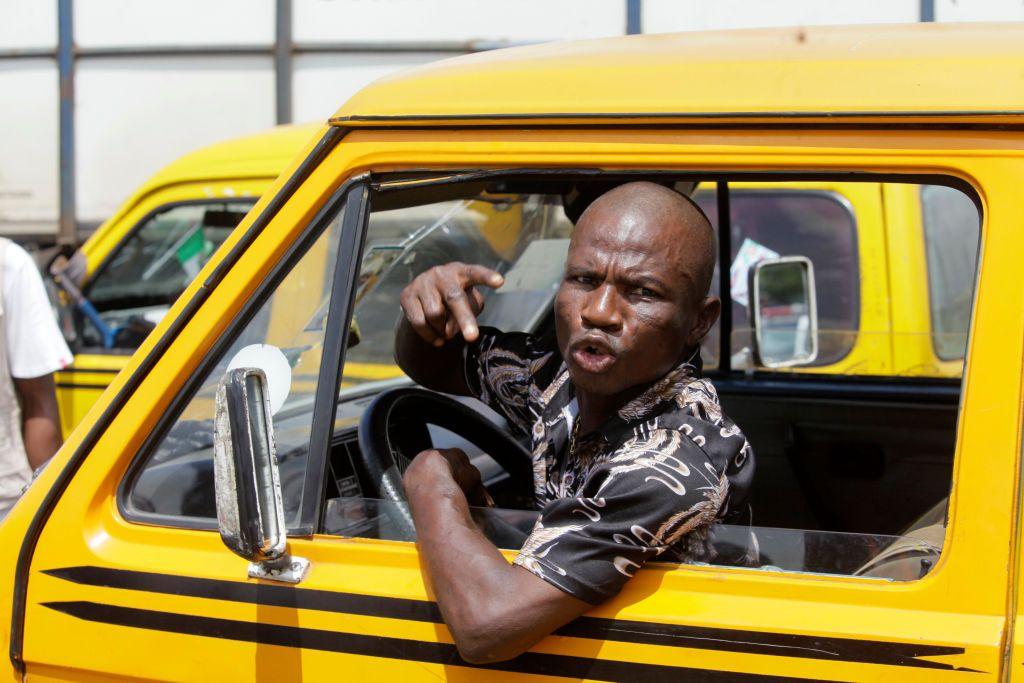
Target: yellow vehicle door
136,267
124,561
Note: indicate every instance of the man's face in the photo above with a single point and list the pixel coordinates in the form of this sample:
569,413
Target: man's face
628,307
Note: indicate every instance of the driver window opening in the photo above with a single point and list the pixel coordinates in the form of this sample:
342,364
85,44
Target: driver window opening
854,464
819,459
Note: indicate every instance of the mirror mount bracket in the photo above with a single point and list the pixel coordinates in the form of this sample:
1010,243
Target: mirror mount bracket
287,569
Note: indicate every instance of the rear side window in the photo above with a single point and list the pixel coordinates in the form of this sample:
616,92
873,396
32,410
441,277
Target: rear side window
951,236
816,224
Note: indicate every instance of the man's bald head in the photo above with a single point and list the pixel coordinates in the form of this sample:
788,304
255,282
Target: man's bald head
675,220
634,303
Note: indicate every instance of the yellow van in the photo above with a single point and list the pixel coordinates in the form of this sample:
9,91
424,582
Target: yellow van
141,259
887,502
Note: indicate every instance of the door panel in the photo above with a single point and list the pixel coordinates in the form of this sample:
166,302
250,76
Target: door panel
82,382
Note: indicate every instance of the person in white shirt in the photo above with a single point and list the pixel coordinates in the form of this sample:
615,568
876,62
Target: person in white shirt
31,350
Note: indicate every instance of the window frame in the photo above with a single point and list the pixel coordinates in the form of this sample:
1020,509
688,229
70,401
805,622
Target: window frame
933,391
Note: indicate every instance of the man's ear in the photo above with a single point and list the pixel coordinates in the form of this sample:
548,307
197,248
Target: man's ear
707,313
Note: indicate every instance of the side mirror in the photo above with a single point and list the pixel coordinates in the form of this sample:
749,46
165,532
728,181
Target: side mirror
785,312
250,513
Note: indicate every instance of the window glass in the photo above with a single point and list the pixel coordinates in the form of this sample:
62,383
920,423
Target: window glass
819,459
951,233
136,286
176,480
779,220
523,236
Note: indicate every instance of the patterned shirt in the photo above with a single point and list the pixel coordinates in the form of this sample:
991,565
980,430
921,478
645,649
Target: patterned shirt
648,483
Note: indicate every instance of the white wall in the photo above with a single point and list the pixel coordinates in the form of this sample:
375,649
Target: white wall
134,116
133,23
28,24
662,16
979,10
322,82
456,20
29,158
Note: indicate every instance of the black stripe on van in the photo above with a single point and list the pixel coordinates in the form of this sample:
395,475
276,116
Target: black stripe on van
596,628
566,666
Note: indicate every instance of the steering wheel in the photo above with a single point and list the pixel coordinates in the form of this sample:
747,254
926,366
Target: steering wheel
393,430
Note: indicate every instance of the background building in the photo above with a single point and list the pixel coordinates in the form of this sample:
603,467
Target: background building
98,94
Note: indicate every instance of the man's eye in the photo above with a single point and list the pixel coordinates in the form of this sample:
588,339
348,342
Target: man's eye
582,279
645,292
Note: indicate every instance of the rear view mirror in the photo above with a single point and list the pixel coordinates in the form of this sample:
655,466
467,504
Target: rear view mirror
785,312
250,513
219,218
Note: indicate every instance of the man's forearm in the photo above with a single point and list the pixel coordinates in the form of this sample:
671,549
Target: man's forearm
467,571
40,419
42,439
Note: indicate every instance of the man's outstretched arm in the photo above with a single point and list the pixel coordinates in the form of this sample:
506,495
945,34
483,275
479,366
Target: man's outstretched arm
439,316
493,609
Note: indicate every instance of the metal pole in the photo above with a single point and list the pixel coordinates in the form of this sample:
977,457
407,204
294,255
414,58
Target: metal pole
927,10
633,17
724,284
67,232
283,53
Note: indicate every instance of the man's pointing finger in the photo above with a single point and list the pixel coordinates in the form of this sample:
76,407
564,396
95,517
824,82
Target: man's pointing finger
481,275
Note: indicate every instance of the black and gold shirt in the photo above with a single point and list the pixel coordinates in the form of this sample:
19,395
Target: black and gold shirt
649,483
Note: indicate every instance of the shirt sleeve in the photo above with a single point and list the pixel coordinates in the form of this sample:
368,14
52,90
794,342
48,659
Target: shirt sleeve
35,345
501,371
652,494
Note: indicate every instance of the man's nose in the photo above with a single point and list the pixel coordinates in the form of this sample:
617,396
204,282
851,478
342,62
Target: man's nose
601,309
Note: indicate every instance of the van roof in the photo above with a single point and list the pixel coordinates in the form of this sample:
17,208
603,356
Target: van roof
912,71
260,155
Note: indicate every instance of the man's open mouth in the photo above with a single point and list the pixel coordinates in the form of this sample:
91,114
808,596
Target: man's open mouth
591,356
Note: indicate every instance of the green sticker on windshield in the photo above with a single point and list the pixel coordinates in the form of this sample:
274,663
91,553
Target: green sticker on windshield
190,253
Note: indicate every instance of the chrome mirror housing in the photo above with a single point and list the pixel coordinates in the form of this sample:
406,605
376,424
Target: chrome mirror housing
250,513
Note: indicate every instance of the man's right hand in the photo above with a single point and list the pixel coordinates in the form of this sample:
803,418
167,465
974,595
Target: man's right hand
443,301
